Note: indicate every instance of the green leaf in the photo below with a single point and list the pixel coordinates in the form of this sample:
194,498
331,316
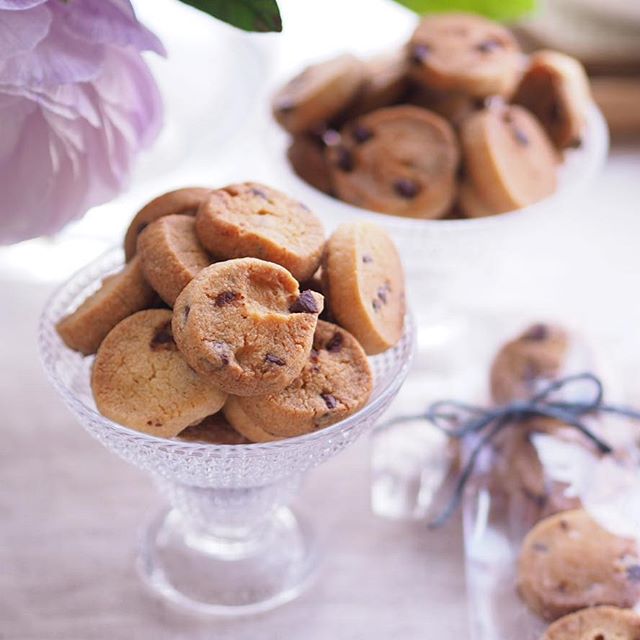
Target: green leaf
506,10
250,15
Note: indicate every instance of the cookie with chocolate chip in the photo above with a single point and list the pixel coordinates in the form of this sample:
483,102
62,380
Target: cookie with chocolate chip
399,160
141,380
213,429
171,255
119,296
596,623
536,357
555,88
569,562
318,94
306,156
464,53
252,220
181,201
364,284
509,159
245,325
335,382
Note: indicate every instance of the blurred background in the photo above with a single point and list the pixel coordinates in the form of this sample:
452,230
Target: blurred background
70,509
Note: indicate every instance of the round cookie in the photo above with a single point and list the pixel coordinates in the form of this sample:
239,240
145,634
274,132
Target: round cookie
181,201
555,89
119,296
306,156
385,83
245,325
400,160
596,623
464,53
253,220
318,94
568,562
451,105
142,381
538,355
213,429
244,424
508,157
335,383
171,255
364,284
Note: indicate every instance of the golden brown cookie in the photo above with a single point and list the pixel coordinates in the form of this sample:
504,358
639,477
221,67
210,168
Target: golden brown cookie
555,89
569,562
454,106
306,156
181,201
119,296
385,83
335,383
537,356
364,284
245,325
318,94
596,623
213,429
245,425
508,157
171,255
253,220
400,160
470,202
142,381
464,53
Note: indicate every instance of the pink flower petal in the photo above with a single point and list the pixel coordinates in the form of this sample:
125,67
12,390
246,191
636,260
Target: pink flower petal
21,31
19,5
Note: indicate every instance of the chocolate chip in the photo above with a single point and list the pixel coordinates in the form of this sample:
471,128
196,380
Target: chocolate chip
306,303
345,159
376,304
222,350
406,188
331,138
329,400
536,332
226,297
274,360
185,313
163,338
564,525
361,134
366,258
520,136
335,343
633,573
382,293
487,46
285,105
258,192
538,546
420,53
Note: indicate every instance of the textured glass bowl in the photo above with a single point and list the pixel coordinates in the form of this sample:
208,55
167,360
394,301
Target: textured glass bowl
228,544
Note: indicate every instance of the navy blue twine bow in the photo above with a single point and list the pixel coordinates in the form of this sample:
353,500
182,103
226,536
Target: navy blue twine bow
459,420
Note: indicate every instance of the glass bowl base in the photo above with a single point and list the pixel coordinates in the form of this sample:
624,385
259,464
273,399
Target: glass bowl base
215,577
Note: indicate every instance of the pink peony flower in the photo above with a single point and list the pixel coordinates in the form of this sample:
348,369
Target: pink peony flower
77,103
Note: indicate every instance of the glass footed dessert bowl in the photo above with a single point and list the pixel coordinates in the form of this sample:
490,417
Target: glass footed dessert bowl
228,543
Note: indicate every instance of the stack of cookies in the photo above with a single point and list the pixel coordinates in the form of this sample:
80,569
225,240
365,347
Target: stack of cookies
457,123
212,332
571,571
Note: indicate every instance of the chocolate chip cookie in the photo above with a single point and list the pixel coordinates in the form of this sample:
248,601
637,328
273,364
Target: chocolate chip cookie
464,53
142,381
214,429
245,325
555,88
596,623
119,296
508,157
171,255
335,382
364,284
318,94
253,220
181,201
569,562
307,157
522,365
400,160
